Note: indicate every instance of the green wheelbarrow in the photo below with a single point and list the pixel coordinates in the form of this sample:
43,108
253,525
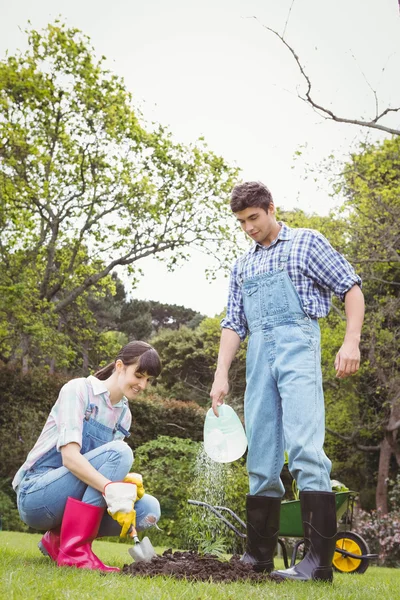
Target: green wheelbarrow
352,554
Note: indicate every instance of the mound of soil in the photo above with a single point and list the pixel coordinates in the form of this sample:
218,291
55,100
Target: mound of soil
196,567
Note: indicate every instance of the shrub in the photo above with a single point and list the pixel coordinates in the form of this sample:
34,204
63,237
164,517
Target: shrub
152,416
167,465
176,470
10,519
25,403
394,494
218,485
382,534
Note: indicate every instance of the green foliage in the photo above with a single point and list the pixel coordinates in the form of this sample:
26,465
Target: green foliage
176,470
219,485
167,466
371,186
9,516
207,544
26,401
190,357
140,319
86,187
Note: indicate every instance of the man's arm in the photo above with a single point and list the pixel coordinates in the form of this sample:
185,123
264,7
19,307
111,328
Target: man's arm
229,345
347,361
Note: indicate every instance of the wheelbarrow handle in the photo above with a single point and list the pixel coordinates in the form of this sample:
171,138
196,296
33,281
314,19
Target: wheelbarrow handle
216,512
233,514
358,556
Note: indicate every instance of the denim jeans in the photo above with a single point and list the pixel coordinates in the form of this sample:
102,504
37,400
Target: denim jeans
43,492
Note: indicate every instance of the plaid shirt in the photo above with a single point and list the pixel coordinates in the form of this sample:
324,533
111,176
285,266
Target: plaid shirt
315,268
65,421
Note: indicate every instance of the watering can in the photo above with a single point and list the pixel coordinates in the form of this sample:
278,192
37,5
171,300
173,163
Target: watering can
224,436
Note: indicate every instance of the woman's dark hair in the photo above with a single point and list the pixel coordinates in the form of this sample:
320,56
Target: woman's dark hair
250,193
135,353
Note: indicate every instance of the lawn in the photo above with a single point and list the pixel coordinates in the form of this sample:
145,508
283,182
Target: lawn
27,575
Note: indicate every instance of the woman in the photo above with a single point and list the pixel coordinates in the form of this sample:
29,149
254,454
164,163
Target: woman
80,464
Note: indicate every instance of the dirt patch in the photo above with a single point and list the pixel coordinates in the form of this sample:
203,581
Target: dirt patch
196,567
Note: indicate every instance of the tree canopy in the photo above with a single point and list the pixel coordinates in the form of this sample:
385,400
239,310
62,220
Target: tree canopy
86,186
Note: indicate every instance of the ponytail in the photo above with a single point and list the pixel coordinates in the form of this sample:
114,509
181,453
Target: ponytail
106,371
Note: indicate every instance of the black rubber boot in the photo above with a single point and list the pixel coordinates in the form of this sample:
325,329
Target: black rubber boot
318,511
262,531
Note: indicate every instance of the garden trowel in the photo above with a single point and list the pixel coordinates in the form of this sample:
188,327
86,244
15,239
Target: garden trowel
142,551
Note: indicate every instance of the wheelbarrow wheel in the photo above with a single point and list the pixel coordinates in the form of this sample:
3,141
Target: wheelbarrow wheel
354,543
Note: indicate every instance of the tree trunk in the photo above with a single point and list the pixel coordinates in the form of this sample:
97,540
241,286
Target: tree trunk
25,353
85,358
383,476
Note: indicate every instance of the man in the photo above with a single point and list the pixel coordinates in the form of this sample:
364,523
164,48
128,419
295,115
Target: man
277,292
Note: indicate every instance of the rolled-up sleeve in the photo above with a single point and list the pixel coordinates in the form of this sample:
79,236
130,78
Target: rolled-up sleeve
329,269
71,405
235,318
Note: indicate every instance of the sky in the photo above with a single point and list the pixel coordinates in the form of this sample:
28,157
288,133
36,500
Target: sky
209,68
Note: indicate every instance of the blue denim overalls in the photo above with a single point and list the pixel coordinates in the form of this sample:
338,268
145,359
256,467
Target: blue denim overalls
43,492
284,402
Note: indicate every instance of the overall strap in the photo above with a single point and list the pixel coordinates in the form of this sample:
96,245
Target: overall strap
118,426
286,250
241,263
90,409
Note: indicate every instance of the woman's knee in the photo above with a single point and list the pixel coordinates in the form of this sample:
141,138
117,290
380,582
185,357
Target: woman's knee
125,455
148,512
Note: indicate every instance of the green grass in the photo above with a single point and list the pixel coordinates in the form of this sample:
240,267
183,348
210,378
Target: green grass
27,575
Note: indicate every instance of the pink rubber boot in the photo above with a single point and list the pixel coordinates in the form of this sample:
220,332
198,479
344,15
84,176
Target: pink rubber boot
49,545
79,528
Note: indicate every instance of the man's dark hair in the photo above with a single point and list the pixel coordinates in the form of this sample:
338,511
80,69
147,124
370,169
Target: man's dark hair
250,193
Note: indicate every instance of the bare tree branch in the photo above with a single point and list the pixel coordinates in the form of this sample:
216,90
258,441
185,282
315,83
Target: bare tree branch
325,112
177,426
287,19
352,440
393,427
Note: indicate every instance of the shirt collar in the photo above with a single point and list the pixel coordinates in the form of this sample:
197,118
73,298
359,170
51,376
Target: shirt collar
285,233
97,385
100,388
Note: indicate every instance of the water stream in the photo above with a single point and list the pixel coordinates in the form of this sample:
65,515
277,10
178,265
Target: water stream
205,532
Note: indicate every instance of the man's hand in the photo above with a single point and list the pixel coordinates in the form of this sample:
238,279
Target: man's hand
219,390
229,345
347,361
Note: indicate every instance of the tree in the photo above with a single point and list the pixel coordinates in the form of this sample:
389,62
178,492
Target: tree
189,357
84,188
173,316
372,187
140,319
370,182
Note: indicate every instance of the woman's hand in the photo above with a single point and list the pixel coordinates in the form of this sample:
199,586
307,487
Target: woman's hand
138,481
120,498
